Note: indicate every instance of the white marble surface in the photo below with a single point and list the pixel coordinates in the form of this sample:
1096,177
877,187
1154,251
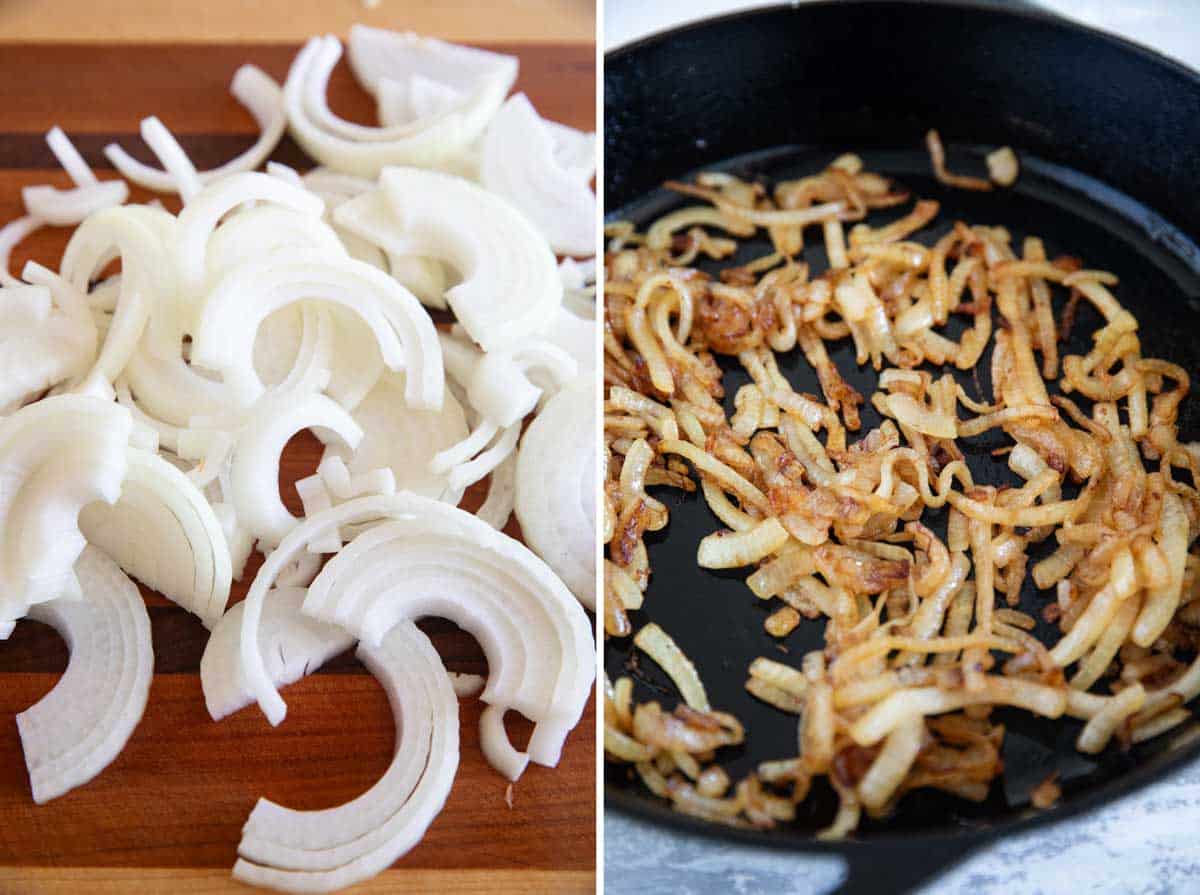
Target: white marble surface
1145,844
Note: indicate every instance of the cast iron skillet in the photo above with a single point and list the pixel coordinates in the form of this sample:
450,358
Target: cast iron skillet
1109,137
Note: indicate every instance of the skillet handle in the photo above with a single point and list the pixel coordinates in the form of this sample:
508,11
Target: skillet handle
896,866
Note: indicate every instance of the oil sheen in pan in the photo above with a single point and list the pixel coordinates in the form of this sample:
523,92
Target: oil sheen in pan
718,622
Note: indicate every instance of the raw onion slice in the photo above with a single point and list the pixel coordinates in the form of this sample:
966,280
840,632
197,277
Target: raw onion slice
234,311
483,77
262,98
200,216
187,560
56,456
430,558
501,496
68,156
520,164
293,343
332,484
292,644
415,99
40,345
370,219
320,851
404,439
11,234
147,277
509,278
66,208
253,233
500,388
77,729
555,489
574,150
426,143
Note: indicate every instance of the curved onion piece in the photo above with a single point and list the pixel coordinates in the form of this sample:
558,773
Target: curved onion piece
575,150
333,484
187,560
255,462
561,665
253,233
56,456
432,70
433,559
303,95
519,163
423,277
555,493
292,644
501,496
10,235
233,312
262,98
404,440
40,346
147,277
77,729
293,343
68,156
320,851
66,208
500,389
171,390
200,217
509,278
417,98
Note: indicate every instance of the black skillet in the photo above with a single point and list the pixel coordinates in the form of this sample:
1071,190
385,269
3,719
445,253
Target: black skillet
1109,137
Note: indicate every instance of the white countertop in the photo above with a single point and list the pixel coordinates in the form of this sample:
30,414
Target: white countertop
1145,844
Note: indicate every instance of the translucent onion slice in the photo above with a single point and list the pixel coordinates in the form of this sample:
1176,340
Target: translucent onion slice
303,96
509,278
40,346
404,440
187,560
292,644
433,559
77,729
555,489
262,98
320,851
56,456
520,164
234,311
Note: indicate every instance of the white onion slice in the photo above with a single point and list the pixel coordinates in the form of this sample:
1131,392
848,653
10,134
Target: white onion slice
10,235
520,164
320,851
233,312
404,440
509,278
66,208
253,233
188,559
498,506
200,217
304,93
56,456
68,156
292,645
434,559
556,489
575,150
40,346
77,729
262,98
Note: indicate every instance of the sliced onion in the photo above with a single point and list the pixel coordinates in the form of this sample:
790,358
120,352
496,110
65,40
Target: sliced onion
404,440
262,98
501,497
320,851
433,559
66,208
292,645
77,729
555,489
187,560
40,346
10,235
509,278
234,311
520,164
56,456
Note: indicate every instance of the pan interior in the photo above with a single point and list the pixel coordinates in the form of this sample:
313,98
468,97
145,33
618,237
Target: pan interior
717,620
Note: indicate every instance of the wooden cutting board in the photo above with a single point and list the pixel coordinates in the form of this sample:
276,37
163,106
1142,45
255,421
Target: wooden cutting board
167,814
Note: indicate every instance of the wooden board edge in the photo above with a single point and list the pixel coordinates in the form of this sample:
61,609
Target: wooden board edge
190,881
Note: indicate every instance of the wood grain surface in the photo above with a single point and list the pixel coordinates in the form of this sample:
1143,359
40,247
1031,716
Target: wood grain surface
167,814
